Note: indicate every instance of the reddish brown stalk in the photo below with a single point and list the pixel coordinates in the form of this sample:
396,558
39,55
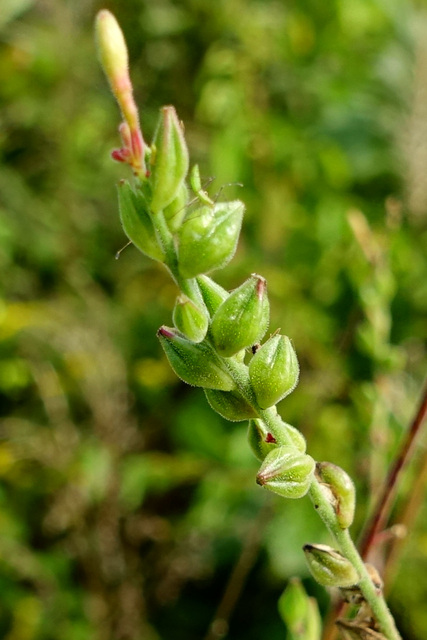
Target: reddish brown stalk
381,512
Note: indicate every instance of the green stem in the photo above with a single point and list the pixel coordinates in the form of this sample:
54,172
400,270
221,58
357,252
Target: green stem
324,508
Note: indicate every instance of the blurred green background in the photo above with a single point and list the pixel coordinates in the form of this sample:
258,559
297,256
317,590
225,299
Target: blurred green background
125,503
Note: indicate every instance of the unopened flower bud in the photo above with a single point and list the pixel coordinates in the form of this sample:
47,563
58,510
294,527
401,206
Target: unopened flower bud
114,59
243,317
169,160
196,364
274,371
230,405
136,221
299,612
260,440
286,472
329,567
175,211
212,293
189,319
338,487
208,238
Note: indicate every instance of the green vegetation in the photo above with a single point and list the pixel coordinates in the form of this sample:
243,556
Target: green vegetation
125,501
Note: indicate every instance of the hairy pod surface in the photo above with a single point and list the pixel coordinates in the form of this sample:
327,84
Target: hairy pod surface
339,490
188,318
207,239
274,371
136,221
329,567
230,405
242,319
196,364
287,472
169,160
212,293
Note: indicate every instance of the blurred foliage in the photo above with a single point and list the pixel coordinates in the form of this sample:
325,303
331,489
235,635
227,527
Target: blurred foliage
125,501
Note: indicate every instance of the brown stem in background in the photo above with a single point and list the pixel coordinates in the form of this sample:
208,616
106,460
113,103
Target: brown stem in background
382,510
220,623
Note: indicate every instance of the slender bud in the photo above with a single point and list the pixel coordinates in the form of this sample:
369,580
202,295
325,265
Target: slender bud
274,371
196,364
189,319
212,293
136,221
242,319
208,238
230,405
175,211
286,472
114,59
329,567
299,612
260,440
338,487
169,160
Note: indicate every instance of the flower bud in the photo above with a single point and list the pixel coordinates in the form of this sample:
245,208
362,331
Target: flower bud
114,59
212,293
299,612
260,441
189,319
329,567
175,211
196,364
286,472
169,160
338,487
274,371
230,405
208,238
136,221
242,319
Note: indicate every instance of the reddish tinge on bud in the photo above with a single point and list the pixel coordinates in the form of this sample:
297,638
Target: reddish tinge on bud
114,59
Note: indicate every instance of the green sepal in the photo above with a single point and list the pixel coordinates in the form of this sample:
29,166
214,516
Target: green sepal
329,567
188,318
176,211
260,441
136,221
196,364
274,371
208,238
169,160
230,405
212,293
299,612
242,319
287,472
339,489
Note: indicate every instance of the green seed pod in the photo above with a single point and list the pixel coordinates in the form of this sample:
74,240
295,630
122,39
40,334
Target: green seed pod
212,293
230,405
274,371
286,472
242,319
299,612
176,211
189,319
260,441
338,487
196,364
329,567
169,160
136,221
208,238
